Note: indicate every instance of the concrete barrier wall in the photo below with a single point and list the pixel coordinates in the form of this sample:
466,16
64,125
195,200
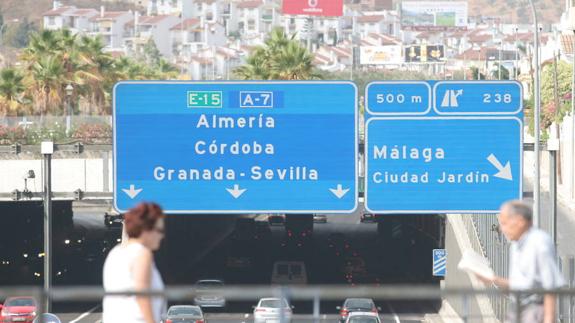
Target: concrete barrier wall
68,174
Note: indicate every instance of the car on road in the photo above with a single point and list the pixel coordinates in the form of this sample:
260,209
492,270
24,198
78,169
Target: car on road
18,309
276,219
185,314
352,305
289,273
205,298
319,218
367,218
363,317
272,310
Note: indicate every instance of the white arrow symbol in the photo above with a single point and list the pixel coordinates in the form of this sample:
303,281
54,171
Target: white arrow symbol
132,192
504,172
339,192
236,191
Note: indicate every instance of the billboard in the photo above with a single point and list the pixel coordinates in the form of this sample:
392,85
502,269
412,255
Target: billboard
424,53
331,8
380,55
433,15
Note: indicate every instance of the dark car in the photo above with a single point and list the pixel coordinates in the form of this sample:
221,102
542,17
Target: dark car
185,314
356,305
276,219
367,218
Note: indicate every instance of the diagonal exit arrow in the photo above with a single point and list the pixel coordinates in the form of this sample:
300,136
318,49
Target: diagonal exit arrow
504,171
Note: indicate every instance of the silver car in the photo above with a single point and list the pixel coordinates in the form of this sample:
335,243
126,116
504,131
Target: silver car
185,314
206,297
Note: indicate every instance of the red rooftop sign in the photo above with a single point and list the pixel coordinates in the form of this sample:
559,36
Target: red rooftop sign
330,8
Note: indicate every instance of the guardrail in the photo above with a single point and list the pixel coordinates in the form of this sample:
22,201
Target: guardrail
296,293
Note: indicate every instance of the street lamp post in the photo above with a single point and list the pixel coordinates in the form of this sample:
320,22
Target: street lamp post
573,122
516,69
69,92
537,107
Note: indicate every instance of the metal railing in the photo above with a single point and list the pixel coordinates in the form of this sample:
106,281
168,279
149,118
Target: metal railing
314,294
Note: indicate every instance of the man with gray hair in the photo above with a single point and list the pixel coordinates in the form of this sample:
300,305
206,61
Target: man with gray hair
532,264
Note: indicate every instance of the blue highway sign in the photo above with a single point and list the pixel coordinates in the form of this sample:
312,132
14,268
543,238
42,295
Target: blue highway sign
236,147
439,262
445,163
398,98
478,98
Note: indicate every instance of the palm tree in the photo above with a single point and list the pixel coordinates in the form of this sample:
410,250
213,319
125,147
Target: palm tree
294,62
11,90
281,57
48,75
256,67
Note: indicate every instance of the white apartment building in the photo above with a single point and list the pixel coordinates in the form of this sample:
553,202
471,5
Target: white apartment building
110,26
72,18
156,28
249,16
382,23
192,35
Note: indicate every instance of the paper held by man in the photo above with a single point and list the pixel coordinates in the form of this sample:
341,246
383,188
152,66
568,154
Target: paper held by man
474,263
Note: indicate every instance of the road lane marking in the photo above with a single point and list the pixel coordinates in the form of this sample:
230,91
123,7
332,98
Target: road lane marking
85,314
395,316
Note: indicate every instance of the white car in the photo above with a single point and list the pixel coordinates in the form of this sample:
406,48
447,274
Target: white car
363,317
270,310
205,297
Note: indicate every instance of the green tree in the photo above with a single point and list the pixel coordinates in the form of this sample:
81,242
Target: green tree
12,89
48,75
17,36
280,58
504,72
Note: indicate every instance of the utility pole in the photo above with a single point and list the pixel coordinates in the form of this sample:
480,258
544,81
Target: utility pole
557,128
47,149
537,107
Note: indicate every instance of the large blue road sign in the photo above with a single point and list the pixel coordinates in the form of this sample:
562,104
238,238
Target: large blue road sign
236,147
447,163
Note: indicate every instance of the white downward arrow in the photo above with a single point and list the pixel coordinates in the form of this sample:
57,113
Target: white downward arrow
339,192
132,192
504,172
236,191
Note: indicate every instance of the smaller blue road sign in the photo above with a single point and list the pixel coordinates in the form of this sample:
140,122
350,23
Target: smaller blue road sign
463,156
439,262
398,98
477,98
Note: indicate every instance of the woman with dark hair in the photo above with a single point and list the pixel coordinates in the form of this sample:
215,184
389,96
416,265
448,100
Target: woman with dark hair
130,267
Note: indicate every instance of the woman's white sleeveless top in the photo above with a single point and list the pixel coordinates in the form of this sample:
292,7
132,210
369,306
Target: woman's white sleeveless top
118,276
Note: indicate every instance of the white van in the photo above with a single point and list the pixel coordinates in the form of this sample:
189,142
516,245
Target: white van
289,272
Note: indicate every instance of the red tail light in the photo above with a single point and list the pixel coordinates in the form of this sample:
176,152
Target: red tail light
169,321
260,310
374,310
200,321
343,312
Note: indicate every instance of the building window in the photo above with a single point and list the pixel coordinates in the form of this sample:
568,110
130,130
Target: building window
51,21
251,24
